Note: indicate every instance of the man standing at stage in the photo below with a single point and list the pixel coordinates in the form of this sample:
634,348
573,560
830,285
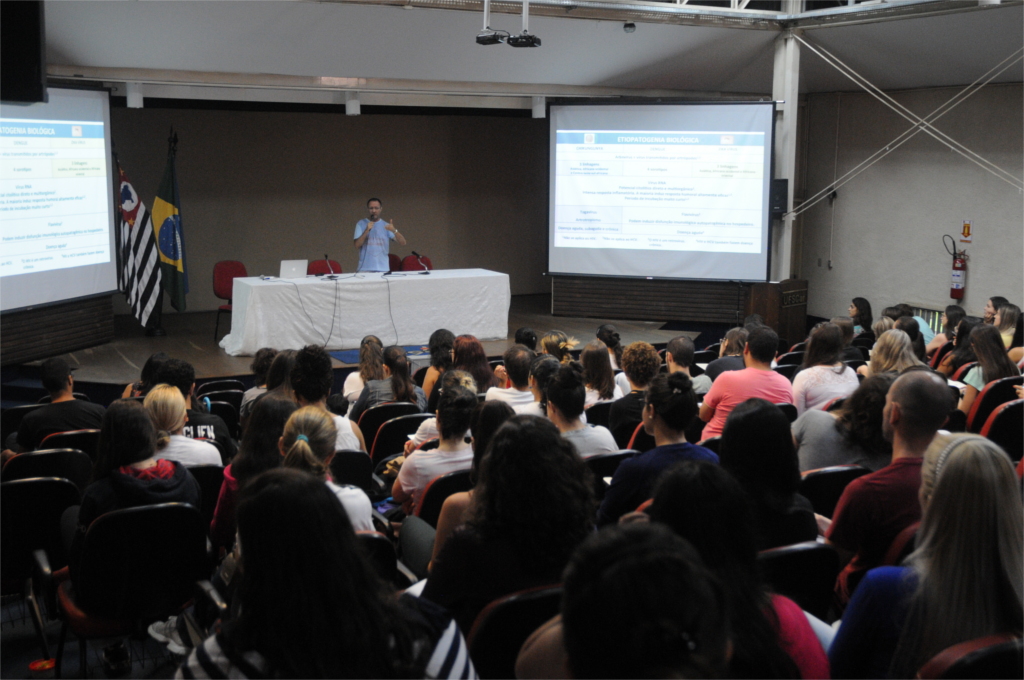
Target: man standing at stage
373,237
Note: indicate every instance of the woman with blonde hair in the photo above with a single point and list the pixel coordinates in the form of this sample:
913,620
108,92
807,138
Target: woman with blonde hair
964,581
881,325
892,353
166,408
1007,319
559,345
307,444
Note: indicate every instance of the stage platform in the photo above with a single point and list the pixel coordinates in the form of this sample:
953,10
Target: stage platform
105,369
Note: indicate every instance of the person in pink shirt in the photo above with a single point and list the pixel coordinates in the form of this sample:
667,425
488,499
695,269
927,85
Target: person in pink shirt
757,380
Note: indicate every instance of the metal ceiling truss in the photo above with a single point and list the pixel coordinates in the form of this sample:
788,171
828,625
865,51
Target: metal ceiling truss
688,13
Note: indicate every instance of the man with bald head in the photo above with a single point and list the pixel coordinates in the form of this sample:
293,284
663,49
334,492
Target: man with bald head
875,508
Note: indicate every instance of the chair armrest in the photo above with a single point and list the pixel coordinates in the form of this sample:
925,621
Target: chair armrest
206,591
382,524
407,573
42,582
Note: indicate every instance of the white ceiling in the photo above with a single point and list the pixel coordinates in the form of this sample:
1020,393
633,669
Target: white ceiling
352,40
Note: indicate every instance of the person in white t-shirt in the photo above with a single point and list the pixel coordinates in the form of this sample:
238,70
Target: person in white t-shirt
166,407
312,379
542,368
565,397
307,444
598,375
428,428
454,410
516,369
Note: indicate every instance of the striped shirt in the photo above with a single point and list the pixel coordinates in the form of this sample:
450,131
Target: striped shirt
450,659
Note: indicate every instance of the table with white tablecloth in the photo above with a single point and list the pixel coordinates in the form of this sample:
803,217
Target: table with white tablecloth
401,309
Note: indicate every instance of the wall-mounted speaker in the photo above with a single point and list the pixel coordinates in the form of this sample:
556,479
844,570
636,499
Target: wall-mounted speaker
22,51
778,198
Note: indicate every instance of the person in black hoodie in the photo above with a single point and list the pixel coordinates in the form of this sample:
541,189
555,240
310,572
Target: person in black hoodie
127,474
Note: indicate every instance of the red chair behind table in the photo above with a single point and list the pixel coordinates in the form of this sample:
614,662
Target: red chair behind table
224,274
319,267
394,262
411,263
991,396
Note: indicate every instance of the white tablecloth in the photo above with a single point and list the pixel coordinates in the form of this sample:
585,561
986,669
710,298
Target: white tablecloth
399,309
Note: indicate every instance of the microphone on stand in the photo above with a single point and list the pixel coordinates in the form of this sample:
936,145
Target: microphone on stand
419,258
329,267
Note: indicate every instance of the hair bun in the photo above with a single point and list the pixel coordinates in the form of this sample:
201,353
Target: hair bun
679,381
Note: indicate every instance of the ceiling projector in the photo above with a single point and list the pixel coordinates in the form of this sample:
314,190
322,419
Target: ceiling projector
490,38
524,39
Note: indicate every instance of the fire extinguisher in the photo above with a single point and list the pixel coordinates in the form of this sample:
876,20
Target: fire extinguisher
958,280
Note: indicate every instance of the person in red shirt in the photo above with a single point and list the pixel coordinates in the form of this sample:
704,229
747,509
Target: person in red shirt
732,388
875,508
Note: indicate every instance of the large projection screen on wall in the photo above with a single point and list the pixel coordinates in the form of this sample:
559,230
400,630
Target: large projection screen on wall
56,200
674,191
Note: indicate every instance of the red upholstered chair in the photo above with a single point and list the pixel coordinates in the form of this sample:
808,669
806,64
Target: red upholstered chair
962,371
438,489
824,486
83,440
411,263
224,274
641,441
995,393
394,262
901,546
502,627
318,267
940,354
1006,427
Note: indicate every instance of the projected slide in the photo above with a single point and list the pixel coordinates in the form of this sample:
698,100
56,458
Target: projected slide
53,195
659,190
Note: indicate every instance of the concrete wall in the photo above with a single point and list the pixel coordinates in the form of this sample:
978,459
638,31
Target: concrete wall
261,187
889,221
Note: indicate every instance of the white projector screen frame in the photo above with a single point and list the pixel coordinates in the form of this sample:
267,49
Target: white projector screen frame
70,117
658,233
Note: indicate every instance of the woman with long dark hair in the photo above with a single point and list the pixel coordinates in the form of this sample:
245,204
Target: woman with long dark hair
279,384
991,306
952,316
396,385
851,435
147,380
860,312
771,636
598,375
669,407
1007,320
257,453
993,364
609,335
371,367
542,369
566,396
354,626
533,504
469,356
757,448
964,581
441,346
910,326
962,352
824,376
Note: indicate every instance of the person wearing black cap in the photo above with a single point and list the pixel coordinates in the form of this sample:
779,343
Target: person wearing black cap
62,414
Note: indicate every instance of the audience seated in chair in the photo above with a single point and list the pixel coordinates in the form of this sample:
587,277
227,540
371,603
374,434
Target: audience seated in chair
453,413
127,472
257,453
531,507
260,366
608,335
963,582
704,504
396,385
62,414
312,379
993,364
427,430
851,435
308,444
279,384
147,377
371,367
849,352
566,396
557,344
598,376
731,354
824,376
679,359
638,602
952,316
516,369
670,406
962,352
468,355
876,507
757,448
441,346
199,425
640,364
542,369
485,421
860,312
354,626
893,353
166,407
757,380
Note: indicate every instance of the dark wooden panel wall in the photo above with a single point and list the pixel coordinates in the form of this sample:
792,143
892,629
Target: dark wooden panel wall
49,331
649,300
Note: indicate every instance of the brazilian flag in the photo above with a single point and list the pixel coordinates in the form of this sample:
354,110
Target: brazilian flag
169,236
